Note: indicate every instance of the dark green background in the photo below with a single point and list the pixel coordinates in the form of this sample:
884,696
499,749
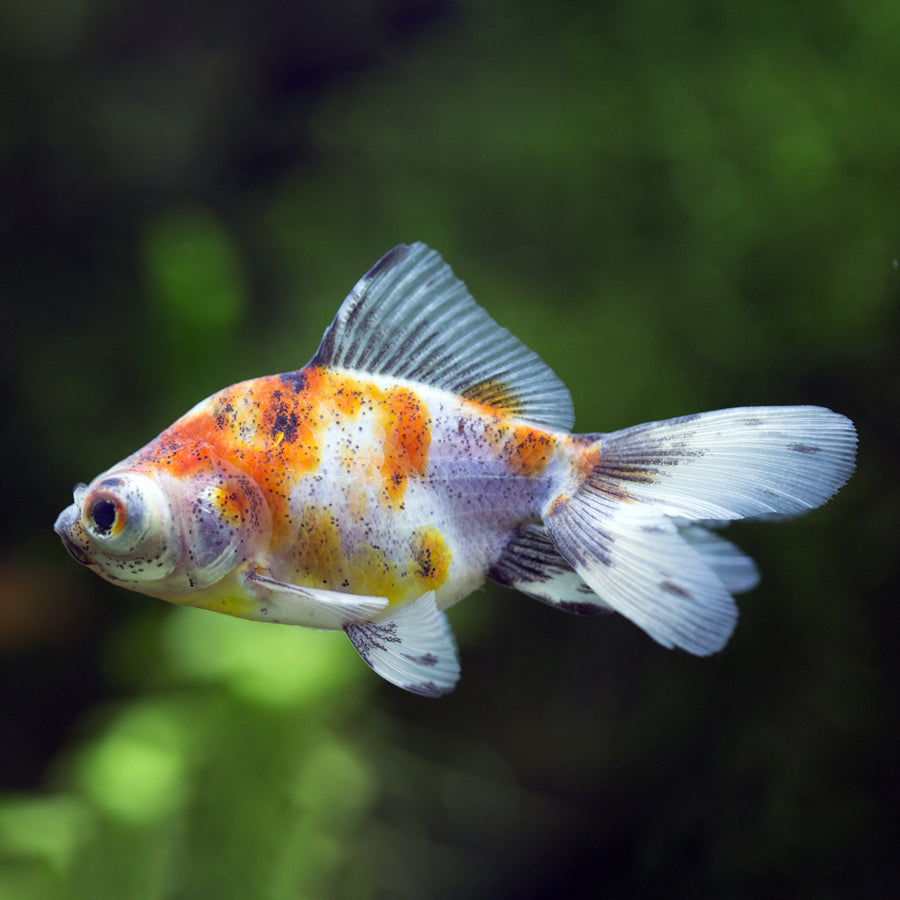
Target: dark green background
681,206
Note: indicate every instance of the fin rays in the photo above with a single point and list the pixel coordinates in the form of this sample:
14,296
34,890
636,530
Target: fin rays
630,530
410,317
411,646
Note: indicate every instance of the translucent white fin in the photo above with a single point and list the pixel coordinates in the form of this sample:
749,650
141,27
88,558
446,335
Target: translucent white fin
644,569
311,607
627,529
772,461
410,317
530,563
731,565
411,646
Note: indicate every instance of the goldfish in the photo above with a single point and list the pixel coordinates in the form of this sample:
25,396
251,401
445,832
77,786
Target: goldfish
425,449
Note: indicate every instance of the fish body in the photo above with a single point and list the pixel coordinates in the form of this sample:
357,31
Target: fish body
423,449
372,486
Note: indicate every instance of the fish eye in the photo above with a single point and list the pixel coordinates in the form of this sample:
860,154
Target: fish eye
126,522
105,514
122,512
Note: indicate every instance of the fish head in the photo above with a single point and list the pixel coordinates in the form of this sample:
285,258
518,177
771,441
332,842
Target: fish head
144,528
121,527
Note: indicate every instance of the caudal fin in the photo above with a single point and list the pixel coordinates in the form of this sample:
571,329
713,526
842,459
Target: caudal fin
630,531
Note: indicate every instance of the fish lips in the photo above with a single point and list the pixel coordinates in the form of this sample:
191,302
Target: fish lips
67,524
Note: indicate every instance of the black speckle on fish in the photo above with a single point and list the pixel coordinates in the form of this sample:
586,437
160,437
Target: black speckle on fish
286,423
581,609
804,448
672,588
369,636
297,381
425,659
426,689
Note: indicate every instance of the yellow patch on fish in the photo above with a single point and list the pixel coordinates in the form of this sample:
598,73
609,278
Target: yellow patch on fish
431,558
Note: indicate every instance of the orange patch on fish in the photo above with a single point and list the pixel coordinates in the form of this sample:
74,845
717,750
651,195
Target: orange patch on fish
523,450
273,428
345,397
270,426
528,451
407,429
610,477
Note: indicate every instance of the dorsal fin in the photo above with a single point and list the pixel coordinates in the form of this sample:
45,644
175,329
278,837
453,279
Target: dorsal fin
410,317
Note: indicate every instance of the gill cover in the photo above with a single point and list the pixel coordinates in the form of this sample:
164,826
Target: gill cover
223,519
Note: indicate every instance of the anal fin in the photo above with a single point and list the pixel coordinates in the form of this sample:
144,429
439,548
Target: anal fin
530,563
411,646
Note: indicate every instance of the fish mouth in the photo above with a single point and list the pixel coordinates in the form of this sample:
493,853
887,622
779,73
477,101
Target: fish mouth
63,527
76,552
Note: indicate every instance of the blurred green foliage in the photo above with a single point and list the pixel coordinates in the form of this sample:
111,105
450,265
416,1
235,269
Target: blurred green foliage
680,206
193,272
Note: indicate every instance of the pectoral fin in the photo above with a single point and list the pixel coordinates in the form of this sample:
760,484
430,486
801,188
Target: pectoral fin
411,646
311,607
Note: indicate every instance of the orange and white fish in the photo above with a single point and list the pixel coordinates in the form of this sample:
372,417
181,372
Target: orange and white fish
423,449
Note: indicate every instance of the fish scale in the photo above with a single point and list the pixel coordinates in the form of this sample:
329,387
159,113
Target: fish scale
424,449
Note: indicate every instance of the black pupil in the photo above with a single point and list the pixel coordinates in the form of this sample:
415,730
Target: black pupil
103,512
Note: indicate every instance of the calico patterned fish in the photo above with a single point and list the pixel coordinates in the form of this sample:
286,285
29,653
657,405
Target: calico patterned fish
424,448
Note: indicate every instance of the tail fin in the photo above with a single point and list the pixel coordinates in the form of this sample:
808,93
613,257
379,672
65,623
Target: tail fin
628,529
